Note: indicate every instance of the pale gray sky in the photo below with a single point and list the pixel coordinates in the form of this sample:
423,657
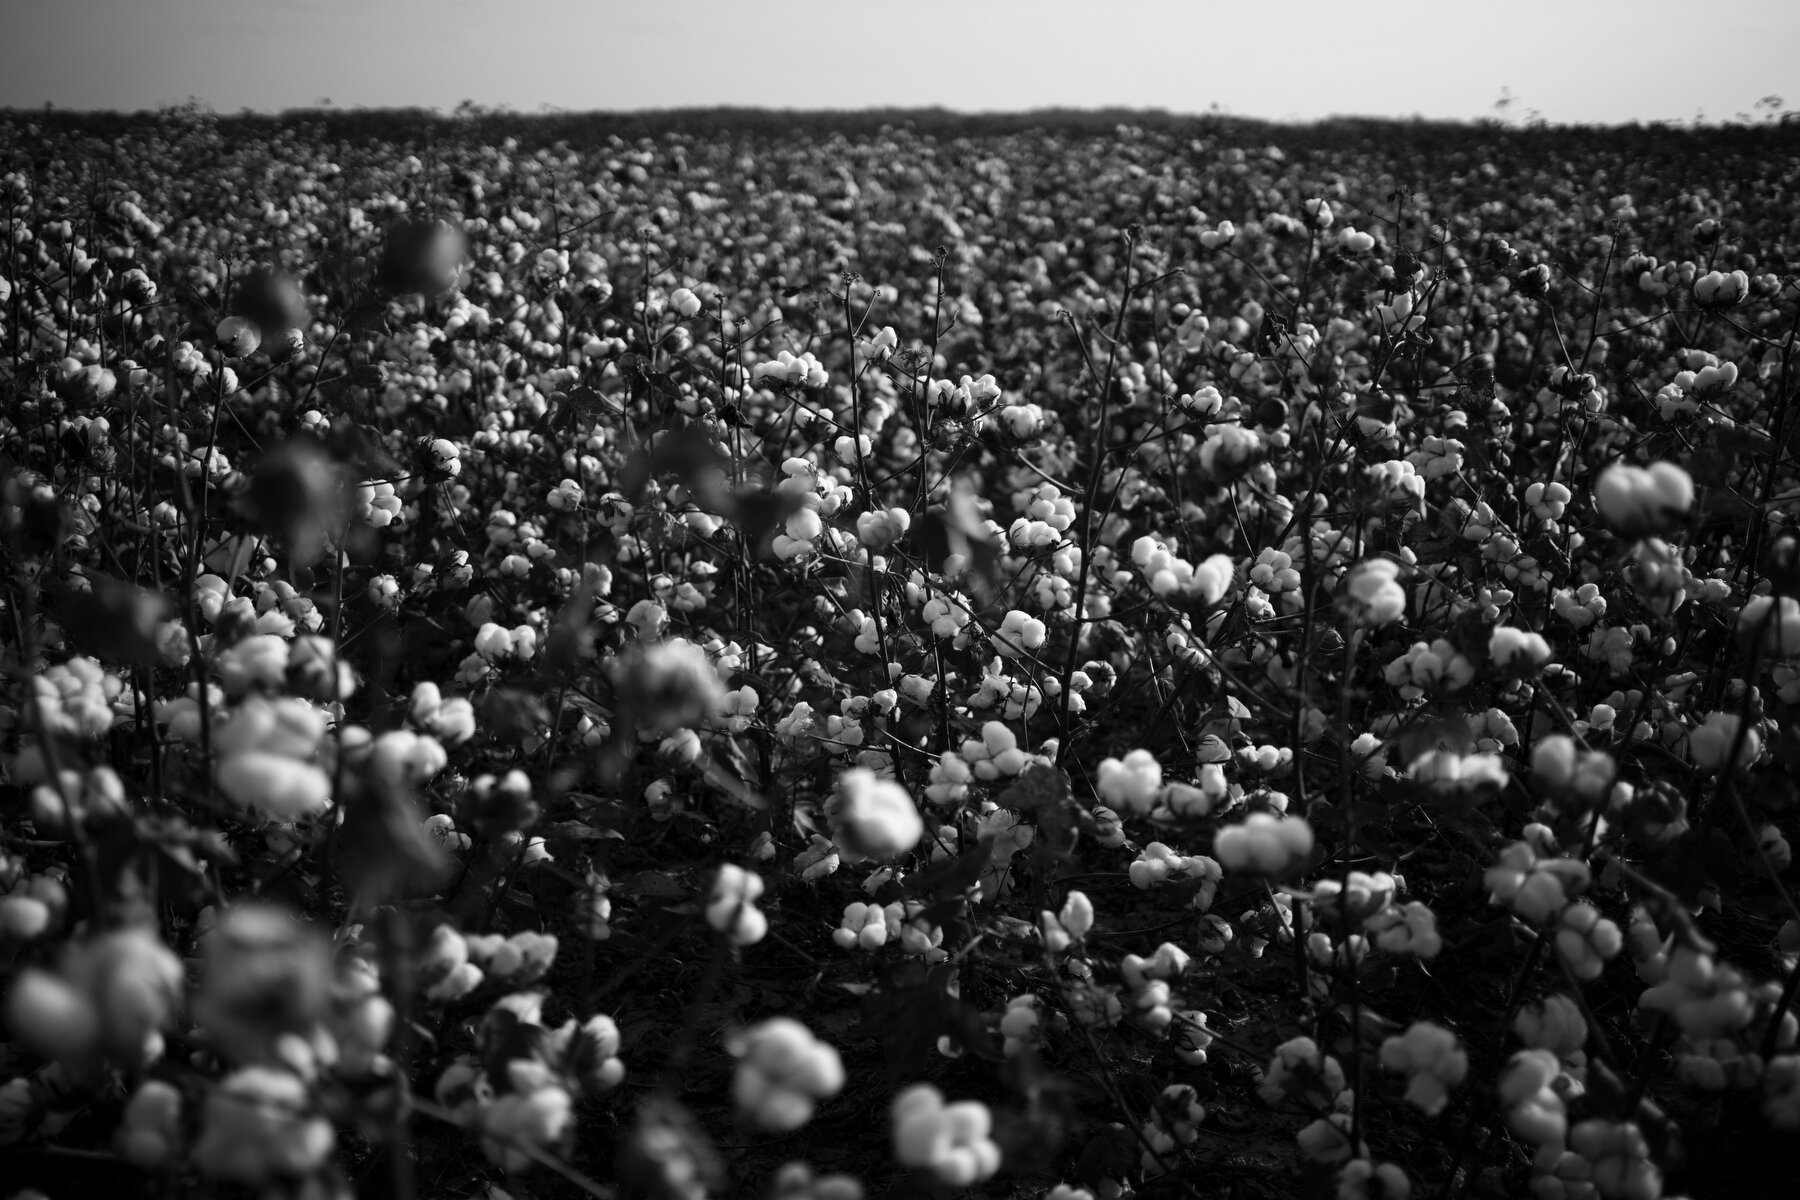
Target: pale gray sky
1572,60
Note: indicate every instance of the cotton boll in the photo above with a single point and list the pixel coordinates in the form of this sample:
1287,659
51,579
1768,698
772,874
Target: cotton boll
1132,782
258,1125
782,1072
951,1141
274,786
873,817
1640,502
731,905
1264,844
1713,742
1374,591
1432,1061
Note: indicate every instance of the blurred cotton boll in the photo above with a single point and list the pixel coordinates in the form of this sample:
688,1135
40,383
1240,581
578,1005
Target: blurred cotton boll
949,1141
1132,782
1718,737
112,997
54,1019
731,906
264,975
873,817
783,1071
1375,592
1264,844
1639,501
258,1126
536,1118
150,1134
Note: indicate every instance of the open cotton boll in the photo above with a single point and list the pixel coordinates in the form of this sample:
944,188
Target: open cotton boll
1375,592
1639,501
1718,736
873,817
1264,844
783,1071
731,905
951,1141
1520,649
1432,1061
258,1125
1019,634
274,786
1132,782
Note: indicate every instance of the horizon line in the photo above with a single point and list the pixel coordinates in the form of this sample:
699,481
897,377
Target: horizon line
325,107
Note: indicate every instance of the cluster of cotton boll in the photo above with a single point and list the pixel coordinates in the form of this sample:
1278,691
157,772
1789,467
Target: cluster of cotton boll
870,926
1174,1122
967,395
994,756
1168,574
516,960
1611,1157
519,1094
820,497
75,699
1011,698
1158,864
1047,516
788,368
1533,880
1437,666
1452,773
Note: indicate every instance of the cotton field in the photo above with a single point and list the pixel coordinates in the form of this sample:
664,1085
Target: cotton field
918,657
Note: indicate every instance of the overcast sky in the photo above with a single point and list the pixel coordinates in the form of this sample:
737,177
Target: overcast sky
1570,60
